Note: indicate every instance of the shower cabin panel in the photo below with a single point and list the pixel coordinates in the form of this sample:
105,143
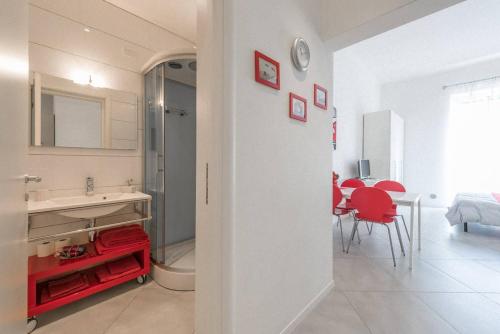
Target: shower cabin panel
180,162
154,169
170,164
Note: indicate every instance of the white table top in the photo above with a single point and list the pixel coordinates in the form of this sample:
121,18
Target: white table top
397,197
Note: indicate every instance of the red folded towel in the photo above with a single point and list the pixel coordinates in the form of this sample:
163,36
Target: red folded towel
121,236
123,265
67,285
120,268
101,249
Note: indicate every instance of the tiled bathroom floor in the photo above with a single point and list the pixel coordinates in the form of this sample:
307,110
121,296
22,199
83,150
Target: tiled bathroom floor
453,288
129,308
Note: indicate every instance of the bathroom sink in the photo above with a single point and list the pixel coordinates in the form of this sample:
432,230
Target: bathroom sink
86,207
90,211
85,199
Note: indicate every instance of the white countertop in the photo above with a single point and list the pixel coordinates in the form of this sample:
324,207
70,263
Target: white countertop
75,202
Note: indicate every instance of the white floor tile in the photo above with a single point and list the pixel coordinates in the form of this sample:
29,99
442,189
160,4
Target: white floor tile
397,313
472,273
333,315
469,313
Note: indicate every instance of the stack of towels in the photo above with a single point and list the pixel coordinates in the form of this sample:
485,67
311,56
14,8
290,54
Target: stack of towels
120,237
113,270
67,285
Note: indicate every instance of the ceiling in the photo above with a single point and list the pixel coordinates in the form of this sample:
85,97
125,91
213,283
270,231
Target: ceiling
460,35
98,31
176,16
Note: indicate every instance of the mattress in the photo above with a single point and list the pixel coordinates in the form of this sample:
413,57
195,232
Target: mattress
475,208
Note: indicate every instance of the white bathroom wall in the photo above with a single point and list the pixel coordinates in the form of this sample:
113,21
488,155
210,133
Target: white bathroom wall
64,169
114,50
356,91
423,104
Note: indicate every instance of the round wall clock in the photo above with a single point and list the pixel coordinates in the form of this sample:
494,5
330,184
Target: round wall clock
300,54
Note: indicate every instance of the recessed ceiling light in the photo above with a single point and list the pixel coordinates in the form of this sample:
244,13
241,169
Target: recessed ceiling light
175,65
86,29
192,66
194,47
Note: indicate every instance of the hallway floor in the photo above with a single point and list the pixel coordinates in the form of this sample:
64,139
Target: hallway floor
126,309
453,288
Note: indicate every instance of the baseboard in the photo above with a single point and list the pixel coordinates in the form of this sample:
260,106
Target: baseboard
308,308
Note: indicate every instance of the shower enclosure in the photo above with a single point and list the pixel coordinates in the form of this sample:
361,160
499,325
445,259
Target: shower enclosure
170,169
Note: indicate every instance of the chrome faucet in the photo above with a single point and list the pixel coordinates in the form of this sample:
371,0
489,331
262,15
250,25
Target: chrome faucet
90,186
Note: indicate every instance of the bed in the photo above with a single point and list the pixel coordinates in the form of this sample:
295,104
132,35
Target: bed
475,208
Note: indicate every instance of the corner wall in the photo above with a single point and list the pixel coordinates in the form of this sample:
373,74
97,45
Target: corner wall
264,180
282,170
356,92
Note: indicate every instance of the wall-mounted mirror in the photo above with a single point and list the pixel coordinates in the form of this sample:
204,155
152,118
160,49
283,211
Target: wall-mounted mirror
67,114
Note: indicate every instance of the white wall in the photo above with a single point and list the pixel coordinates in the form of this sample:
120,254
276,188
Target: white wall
282,171
264,238
356,92
423,104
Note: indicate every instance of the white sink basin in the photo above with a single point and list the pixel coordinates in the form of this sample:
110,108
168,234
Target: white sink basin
86,207
92,211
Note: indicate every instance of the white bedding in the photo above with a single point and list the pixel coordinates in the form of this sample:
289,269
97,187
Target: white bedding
474,208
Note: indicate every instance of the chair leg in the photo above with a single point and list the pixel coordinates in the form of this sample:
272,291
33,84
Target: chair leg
367,227
406,228
357,232
339,221
392,248
371,229
354,227
399,237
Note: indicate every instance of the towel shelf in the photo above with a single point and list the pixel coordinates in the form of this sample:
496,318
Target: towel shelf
145,213
88,229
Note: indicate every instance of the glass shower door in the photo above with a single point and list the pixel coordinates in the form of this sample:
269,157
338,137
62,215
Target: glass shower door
154,171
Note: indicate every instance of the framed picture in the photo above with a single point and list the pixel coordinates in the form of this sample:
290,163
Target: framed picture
298,108
334,137
267,71
320,97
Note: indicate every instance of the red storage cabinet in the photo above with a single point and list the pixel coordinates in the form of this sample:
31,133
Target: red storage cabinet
42,270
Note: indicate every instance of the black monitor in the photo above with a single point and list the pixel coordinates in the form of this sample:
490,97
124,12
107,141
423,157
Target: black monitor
364,169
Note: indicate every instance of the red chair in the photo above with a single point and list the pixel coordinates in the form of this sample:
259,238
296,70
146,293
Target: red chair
339,211
353,183
389,185
372,205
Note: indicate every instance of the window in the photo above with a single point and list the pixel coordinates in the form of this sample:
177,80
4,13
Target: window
473,139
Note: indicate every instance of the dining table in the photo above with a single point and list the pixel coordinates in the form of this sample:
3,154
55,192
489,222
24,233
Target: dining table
409,199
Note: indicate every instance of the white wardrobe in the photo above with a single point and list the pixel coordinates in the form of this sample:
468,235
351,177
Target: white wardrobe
383,144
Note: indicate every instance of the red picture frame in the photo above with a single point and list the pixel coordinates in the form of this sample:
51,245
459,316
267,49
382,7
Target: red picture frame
297,107
334,136
267,70
318,97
